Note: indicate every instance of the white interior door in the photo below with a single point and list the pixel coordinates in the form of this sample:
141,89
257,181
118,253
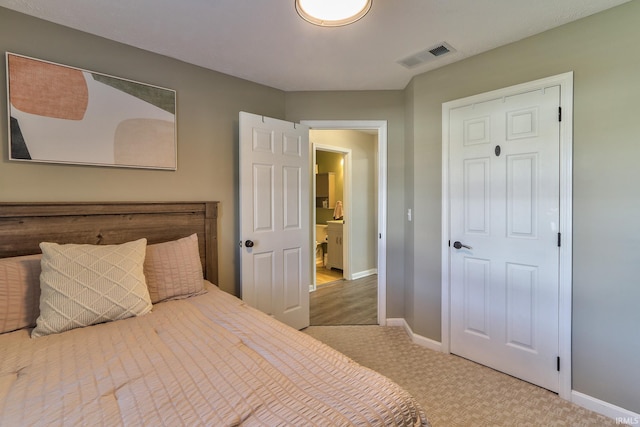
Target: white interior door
274,218
504,211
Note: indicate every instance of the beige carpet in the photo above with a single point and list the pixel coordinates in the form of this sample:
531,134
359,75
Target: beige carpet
454,391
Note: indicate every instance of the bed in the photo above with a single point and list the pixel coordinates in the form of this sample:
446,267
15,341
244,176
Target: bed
191,355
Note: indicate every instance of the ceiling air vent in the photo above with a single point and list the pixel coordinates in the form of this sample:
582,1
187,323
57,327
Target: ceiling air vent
439,50
427,55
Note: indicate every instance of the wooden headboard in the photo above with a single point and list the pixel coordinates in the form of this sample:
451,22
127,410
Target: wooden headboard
24,225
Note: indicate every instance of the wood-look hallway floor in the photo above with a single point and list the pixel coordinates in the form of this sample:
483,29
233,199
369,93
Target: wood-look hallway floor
345,302
324,276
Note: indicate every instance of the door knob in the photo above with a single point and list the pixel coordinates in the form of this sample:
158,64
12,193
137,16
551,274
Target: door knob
249,243
459,245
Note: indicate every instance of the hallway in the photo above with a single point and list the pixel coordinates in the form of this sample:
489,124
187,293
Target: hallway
325,276
345,302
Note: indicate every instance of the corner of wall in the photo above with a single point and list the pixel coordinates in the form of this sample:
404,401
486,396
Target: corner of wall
415,338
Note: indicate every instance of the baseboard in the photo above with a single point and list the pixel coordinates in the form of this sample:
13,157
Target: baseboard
366,273
620,415
396,322
417,339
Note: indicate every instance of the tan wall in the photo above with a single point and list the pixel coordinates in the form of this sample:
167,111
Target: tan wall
409,230
207,110
603,52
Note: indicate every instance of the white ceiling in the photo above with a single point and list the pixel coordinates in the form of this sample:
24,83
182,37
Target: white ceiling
265,41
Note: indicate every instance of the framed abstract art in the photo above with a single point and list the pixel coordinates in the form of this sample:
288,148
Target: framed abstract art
62,114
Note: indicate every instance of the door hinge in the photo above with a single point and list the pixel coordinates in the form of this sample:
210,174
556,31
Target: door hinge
558,364
559,114
559,239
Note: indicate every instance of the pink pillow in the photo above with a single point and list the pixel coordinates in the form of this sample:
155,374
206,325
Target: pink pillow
173,269
19,292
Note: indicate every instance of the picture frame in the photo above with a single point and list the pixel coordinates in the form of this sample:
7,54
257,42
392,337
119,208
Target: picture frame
63,114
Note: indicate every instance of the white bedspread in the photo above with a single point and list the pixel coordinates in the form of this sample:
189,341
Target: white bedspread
208,360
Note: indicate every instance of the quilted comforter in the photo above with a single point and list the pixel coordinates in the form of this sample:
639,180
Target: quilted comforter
208,360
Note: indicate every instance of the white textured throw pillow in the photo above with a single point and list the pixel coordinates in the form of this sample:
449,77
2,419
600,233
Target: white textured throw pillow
82,285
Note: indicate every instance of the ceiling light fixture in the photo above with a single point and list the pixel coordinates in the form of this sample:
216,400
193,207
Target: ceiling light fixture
332,13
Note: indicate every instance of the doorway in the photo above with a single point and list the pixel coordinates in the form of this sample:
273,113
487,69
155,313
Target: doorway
352,270
332,183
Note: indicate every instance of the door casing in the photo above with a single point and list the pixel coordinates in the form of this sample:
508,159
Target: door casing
565,81
381,127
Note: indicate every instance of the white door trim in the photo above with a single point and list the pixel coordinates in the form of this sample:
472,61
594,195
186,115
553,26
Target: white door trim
565,81
381,127
346,203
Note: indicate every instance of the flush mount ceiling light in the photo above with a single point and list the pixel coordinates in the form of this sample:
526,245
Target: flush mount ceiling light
332,13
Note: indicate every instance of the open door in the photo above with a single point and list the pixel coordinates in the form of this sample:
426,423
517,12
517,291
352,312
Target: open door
274,218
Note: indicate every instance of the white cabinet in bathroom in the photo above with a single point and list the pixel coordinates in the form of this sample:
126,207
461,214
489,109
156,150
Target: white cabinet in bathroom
334,245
